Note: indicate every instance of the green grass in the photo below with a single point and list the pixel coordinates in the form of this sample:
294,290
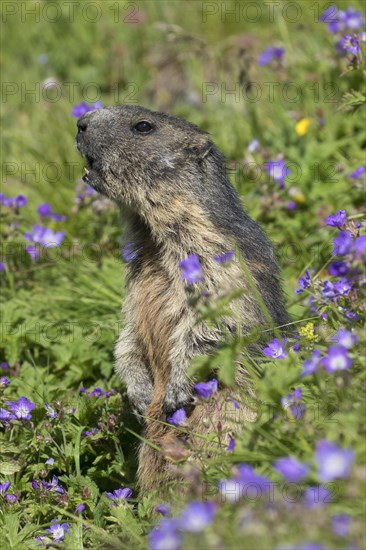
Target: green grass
61,315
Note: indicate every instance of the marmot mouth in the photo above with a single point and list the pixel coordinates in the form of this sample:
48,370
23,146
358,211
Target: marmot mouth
88,168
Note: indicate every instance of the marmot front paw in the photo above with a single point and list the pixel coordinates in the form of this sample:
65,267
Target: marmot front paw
177,398
140,398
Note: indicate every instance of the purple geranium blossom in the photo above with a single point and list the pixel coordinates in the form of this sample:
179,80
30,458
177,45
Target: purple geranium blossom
360,246
338,268
178,418
337,359
4,487
269,55
341,524
311,365
192,269
291,470
45,236
291,205
339,20
20,201
196,516
119,495
275,349
22,408
342,287
82,108
358,173
5,416
226,257
97,392
342,243
58,530
206,389
50,461
277,170
345,338
317,496
11,498
338,219
250,479
4,365
231,445
163,509
53,486
304,282
350,44
333,462
4,382
165,536
293,402
50,411
44,209
80,508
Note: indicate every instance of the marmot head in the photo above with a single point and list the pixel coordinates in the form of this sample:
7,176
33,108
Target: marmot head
130,150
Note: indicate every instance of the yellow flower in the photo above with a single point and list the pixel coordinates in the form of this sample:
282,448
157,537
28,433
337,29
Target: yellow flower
302,126
308,332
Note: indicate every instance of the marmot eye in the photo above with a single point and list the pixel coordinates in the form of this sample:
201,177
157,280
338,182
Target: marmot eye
143,127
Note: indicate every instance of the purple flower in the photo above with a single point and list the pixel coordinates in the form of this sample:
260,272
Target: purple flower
311,365
316,496
196,516
93,431
165,536
11,498
277,170
206,389
349,43
223,258
50,461
292,401
310,546
4,487
163,509
275,349
253,484
4,382
342,244
4,365
337,220
269,55
50,411
342,287
119,495
304,282
45,210
20,201
2,266
58,530
345,338
254,146
178,418
231,445
22,408
5,416
341,524
45,236
82,108
80,508
333,462
360,246
129,252
337,359
291,470
97,392
291,205
33,252
53,486
192,269
358,173
338,268
339,20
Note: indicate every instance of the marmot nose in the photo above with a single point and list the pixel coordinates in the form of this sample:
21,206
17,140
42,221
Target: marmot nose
82,125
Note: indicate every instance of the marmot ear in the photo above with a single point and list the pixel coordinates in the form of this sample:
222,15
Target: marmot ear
200,146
